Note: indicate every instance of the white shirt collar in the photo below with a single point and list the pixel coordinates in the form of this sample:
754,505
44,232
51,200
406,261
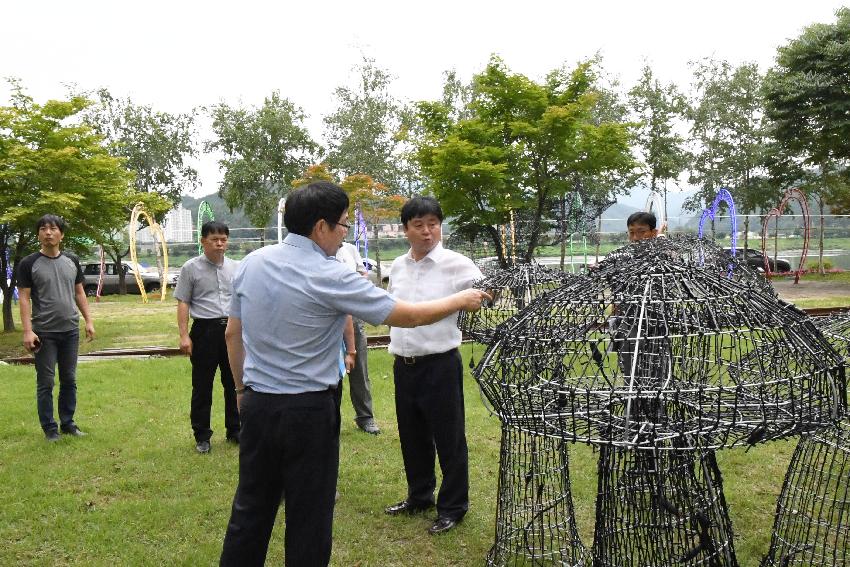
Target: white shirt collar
435,254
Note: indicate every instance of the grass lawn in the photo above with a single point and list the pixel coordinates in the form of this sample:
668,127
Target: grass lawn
124,322
134,492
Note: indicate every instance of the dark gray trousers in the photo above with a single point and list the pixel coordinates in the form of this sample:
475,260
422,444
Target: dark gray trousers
358,379
61,349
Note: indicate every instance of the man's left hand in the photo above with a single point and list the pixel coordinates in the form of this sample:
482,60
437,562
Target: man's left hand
89,332
349,362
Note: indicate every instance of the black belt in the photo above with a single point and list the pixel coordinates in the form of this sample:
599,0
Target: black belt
217,321
412,360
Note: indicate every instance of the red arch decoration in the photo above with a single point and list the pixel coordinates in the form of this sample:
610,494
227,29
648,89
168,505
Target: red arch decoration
800,197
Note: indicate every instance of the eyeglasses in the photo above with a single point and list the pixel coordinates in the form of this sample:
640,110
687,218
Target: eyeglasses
347,226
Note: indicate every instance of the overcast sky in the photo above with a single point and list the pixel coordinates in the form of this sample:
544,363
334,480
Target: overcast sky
179,54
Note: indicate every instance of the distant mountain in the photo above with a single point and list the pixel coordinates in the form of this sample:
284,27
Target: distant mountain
614,217
236,219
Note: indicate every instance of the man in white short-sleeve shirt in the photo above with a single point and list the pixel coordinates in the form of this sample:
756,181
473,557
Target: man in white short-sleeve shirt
428,371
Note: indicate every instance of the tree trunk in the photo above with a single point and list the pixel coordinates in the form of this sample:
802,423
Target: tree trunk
563,230
8,321
377,254
820,238
746,231
493,231
598,239
16,257
5,287
117,258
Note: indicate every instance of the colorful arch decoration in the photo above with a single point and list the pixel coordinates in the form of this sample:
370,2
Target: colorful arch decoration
655,205
281,208
711,213
361,235
14,290
156,231
204,209
796,195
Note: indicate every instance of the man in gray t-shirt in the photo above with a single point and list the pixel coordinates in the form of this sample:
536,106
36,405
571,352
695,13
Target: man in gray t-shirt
203,291
50,286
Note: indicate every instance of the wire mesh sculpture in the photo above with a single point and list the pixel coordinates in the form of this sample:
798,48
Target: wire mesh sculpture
723,196
204,210
161,250
776,212
666,341
655,205
513,289
812,525
535,520
836,329
670,349
661,507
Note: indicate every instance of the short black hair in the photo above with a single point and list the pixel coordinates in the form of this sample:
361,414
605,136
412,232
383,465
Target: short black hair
214,227
55,220
310,203
420,206
642,217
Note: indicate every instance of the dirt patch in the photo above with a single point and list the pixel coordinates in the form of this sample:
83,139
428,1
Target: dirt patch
810,288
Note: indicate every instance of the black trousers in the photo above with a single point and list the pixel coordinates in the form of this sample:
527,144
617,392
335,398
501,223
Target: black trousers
209,352
288,443
431,422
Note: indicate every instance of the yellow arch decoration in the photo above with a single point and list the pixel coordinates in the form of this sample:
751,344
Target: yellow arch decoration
156,231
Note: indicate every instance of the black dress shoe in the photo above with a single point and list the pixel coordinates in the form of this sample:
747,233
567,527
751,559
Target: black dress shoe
442,525
203,447
406,507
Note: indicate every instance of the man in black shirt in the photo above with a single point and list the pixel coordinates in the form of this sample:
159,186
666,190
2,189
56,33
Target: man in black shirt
50,286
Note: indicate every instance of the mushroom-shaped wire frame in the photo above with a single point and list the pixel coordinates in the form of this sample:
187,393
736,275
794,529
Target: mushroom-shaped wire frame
513,289
535,519
654,347
661,508
812,524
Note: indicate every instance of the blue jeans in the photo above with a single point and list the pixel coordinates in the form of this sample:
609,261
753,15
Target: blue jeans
56,348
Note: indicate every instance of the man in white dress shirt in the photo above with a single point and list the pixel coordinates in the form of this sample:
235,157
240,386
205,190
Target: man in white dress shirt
358,377
428,371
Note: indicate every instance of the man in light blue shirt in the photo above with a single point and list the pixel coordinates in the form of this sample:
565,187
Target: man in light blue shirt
287,314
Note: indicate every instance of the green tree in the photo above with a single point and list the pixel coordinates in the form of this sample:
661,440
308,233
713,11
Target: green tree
366,133
710,132
376,202
518,147
659,109
157,147
729,132
597,189
264,150
52,162
807,101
